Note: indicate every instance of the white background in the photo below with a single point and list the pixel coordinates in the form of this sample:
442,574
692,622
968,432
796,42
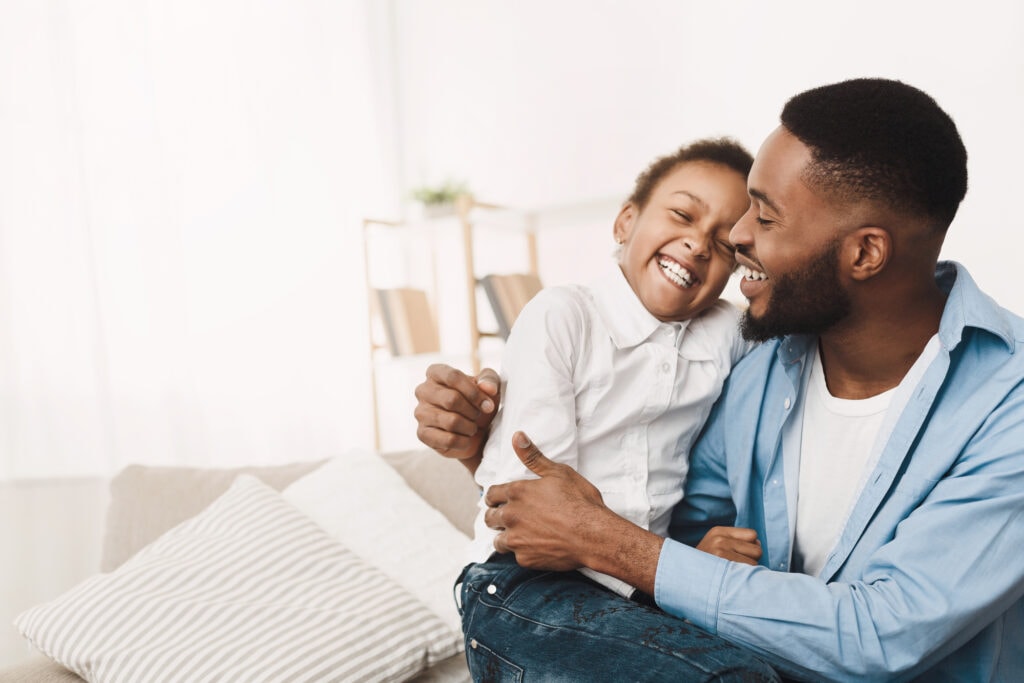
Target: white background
182,183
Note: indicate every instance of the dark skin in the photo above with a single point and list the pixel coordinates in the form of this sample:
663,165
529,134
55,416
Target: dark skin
539,518
886,266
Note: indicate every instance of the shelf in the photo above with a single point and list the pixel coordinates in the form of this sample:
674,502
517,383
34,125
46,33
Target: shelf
406,316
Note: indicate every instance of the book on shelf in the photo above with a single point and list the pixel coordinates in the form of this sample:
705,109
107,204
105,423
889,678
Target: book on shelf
407,321
507,295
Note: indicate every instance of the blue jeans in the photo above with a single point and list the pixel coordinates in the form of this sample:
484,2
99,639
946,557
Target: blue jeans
527,625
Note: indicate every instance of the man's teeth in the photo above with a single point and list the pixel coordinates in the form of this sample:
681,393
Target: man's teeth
751,274
676,273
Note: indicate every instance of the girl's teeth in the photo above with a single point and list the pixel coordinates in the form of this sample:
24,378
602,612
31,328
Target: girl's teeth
676,273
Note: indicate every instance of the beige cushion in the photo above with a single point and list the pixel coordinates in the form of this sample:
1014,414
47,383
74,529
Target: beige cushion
147,501
442,482
38,670
250,587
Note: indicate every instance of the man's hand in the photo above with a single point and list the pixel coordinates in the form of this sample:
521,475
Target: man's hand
732,543
455,411
560,522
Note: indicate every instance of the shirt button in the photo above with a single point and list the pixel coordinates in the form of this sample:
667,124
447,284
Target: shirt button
786,403
492,589
775,482
472,643
664,367
782,565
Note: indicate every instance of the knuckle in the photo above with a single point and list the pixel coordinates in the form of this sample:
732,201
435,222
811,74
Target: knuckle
448,400
448,374
448,440
531,456
450,421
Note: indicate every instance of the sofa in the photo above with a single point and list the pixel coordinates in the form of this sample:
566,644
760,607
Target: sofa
157,515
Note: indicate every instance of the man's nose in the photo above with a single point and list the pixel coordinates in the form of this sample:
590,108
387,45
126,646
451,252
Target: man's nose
740,234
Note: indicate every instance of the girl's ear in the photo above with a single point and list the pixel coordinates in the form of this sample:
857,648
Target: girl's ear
624,222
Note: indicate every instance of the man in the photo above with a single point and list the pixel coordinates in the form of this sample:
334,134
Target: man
874,442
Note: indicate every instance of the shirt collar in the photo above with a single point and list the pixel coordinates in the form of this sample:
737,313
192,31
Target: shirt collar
966,306
625,318
630,324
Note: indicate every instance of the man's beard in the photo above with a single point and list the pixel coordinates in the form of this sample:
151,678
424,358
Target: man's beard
807,302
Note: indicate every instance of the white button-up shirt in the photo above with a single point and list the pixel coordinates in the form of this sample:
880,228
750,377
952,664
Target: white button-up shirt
600,384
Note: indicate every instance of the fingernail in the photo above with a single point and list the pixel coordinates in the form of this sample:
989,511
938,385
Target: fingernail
487,406
522,441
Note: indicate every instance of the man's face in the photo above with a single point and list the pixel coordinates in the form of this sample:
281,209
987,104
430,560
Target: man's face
788,248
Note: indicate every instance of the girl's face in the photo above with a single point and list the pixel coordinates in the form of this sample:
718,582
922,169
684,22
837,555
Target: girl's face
676,253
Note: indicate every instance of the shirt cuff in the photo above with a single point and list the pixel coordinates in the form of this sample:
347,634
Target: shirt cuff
688,584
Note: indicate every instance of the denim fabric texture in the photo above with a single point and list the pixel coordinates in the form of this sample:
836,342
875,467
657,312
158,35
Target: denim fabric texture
527,625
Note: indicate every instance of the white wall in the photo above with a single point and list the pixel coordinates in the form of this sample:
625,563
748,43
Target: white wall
538,102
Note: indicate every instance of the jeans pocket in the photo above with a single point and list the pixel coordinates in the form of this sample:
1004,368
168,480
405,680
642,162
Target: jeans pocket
459,588
488,666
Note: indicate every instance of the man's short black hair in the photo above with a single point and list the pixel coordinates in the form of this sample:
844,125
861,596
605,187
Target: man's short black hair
882,140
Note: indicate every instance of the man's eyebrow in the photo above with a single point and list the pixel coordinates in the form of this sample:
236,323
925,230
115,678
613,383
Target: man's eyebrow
694,197
763,198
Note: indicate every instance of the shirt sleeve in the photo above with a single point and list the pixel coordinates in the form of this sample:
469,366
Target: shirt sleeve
539,396
952,567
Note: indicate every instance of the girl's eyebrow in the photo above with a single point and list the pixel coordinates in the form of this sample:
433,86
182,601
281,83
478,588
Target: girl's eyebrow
694,197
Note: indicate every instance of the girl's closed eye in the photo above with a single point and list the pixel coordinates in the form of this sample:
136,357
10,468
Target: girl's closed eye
683,215
726,247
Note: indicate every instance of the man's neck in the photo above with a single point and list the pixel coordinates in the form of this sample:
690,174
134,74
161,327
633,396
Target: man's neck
871,353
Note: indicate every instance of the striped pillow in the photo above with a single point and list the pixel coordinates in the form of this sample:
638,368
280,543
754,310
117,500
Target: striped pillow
249,590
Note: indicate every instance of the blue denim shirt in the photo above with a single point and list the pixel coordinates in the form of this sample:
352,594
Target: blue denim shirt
927,577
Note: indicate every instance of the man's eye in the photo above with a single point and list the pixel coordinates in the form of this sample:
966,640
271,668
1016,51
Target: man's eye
764,222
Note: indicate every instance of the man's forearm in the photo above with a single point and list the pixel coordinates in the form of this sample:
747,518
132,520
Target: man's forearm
615,546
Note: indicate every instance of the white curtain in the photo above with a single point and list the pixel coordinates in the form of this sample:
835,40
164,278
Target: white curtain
181,185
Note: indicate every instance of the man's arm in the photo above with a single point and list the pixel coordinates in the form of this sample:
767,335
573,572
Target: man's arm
454,412
939,563
560,522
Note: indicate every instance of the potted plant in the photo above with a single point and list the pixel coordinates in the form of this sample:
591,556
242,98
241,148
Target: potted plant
434,201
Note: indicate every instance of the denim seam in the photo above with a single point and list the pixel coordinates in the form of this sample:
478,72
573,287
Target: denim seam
492,652
525,583
694,664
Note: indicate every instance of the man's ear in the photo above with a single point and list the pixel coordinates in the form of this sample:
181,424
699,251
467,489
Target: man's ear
624,222
868,250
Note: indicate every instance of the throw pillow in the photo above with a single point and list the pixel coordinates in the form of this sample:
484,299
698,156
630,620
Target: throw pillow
364,503
248,590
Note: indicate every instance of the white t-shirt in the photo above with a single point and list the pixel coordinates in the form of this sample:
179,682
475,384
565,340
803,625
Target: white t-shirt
839,444
836,446
600,384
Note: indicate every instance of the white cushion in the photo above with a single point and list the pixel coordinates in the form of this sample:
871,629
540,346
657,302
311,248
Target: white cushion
366,505
249,590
